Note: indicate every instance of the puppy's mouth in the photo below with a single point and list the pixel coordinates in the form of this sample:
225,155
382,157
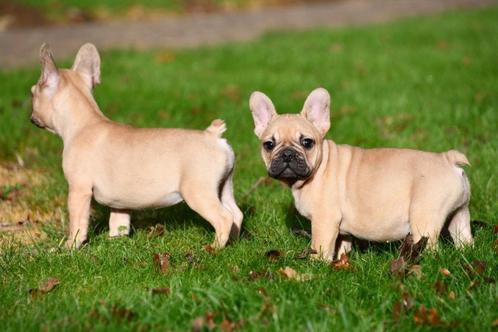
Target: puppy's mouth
37,122
289,165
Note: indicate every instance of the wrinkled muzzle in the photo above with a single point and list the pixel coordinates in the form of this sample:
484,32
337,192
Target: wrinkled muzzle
289,164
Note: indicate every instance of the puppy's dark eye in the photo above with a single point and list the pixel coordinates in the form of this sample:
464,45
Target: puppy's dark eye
307,143
268,145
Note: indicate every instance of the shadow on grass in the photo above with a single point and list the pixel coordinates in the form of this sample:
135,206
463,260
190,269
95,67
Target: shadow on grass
178,216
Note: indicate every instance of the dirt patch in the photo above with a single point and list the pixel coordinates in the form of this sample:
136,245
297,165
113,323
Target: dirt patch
16,15
19,221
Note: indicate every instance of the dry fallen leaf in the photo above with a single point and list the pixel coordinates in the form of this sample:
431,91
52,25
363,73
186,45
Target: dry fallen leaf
156,231
440,287
445,271
495,323
254,275
451,295
409,255
210,249
426,317
342,263
160,291
44,287
292,274
161,260
479,266
306,253
416,270
227,326
274,255
398,267
401,306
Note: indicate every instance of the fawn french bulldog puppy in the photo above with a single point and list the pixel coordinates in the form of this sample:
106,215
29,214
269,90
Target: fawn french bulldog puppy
130,168
374,194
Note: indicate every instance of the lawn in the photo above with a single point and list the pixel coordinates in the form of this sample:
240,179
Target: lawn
425,83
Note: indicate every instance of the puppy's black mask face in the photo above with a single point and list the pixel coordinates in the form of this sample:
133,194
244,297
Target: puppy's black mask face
289,165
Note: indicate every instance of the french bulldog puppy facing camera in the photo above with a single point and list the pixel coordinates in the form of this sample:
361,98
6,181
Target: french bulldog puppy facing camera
129,168
374,194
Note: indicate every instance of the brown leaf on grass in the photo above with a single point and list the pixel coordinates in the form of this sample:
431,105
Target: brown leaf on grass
274,255
445,271
409,255
44,287
342,263
426,317
198,324
451,295
113,311
306,253
210,249
261,291
416,270
292,274
160,291
156,231
227,326
495,229
411,251
122,313
398,267
161,261
255,275
440,287
494,323
479,266
210,320
402,306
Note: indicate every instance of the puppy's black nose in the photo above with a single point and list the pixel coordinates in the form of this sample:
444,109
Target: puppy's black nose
287,155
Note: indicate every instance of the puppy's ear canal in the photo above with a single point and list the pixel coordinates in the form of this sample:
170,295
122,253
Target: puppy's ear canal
262,110
317,110
49,78
87,63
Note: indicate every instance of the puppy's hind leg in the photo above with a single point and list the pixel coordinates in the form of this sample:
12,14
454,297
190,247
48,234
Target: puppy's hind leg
345,243
119,223
428,223
459,227
228,201
208,205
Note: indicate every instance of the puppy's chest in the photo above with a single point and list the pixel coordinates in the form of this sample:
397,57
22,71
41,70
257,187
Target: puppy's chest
302,204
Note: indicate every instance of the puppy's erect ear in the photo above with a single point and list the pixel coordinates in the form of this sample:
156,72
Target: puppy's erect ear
49,78
317,109
87,63
262,110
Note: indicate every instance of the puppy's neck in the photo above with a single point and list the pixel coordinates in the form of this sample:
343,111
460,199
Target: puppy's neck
74,108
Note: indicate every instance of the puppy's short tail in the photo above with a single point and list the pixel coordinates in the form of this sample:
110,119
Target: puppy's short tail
457,158
217,128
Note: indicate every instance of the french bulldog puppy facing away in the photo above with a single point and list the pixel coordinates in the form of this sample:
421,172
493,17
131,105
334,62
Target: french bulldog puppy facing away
129,168
373,194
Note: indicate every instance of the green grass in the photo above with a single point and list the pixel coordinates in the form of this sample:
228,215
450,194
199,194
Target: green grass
426,83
